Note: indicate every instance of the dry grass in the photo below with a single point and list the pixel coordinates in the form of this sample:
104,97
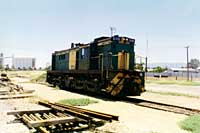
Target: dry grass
173,94
172,81
26,74
39,78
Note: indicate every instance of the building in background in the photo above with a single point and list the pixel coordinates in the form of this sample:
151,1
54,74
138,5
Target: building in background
1,61
23,63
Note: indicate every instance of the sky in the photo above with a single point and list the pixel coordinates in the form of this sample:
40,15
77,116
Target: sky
37,28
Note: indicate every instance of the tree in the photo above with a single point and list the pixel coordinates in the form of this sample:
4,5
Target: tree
159,69
139,66
47,68
194,63
7,67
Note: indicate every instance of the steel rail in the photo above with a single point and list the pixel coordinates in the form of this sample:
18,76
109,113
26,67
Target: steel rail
80,111
90,112
162,106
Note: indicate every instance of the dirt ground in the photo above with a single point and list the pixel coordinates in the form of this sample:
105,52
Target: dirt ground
174,100
188,90
8,123
132,118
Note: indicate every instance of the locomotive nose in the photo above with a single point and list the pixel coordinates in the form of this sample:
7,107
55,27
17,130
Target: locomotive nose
126,84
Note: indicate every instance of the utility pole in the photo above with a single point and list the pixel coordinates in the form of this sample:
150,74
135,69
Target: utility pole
146,59
112,30
187,47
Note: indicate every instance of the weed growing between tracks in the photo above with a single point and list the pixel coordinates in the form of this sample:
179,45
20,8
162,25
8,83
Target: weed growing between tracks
78,102
191,123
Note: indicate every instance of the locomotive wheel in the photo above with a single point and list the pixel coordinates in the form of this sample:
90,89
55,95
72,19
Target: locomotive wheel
72,84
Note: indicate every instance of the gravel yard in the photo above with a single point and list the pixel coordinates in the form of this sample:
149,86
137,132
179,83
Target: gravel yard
132,118
174,100
8,123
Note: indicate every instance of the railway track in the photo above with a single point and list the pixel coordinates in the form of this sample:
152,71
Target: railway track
61,118
162,106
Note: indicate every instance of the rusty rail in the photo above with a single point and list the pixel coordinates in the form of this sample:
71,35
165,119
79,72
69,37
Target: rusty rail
48,120
162,106
80,111
60,118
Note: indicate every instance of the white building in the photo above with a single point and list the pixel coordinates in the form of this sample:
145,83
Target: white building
183,70
198,69
24,63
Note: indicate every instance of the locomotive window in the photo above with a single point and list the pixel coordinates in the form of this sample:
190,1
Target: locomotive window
61,57
84,52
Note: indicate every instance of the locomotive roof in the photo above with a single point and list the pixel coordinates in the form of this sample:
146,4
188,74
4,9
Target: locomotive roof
78,47
100,40
104,38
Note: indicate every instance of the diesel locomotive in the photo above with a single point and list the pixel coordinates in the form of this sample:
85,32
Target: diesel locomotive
103,66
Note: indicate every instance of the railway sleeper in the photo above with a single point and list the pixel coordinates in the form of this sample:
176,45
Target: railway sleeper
61,118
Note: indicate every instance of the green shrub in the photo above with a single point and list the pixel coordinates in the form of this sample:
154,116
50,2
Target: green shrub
159,69
78,102
191,123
